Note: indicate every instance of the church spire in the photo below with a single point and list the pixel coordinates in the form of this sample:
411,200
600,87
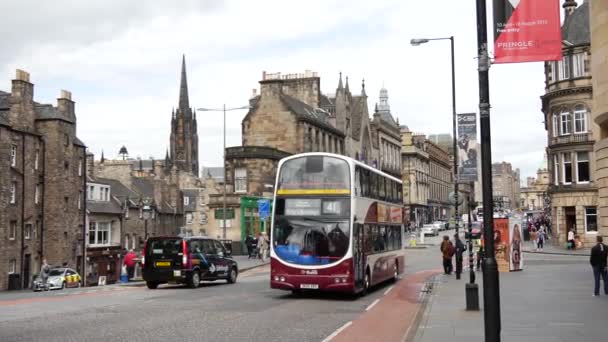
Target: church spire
340,86
363,88
183,88
346,87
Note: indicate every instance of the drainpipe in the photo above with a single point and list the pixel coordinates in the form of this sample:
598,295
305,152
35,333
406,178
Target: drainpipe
84,217
22,269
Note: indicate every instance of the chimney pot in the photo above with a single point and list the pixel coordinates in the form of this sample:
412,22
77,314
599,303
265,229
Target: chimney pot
65,95
22,75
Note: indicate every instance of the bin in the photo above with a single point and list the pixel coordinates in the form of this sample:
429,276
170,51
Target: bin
14,281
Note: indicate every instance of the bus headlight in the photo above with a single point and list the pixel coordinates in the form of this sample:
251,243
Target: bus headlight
282,279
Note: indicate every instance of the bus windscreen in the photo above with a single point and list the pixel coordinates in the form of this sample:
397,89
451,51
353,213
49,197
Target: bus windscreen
314,173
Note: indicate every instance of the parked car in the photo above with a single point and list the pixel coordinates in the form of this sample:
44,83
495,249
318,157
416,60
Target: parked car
186,260
440,225
430,229
476,228
59,278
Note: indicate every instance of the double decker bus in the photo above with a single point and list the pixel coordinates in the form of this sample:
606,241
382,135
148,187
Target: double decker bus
337,225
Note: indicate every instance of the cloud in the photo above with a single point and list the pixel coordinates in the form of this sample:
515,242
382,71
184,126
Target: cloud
121,60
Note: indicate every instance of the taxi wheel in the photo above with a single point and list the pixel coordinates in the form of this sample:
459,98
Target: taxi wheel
194,280
151,285
232,276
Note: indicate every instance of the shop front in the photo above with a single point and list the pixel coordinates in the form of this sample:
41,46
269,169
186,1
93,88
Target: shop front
251,222
103,265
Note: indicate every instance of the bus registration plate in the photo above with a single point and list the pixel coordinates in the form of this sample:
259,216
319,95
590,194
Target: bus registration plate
309,286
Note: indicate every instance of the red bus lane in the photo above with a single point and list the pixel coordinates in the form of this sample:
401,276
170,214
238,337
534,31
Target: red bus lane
391,318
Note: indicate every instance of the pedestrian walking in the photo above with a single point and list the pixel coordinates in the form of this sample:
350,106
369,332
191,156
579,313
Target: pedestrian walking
599,254
130,263
541,238
262,245
251,244
447,251
534,238
571,244
44,273
460,248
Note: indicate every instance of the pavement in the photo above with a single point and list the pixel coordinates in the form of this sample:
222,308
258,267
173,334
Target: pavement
550,300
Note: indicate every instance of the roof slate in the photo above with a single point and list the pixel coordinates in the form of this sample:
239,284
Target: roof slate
110,207
143,187
118,189
303,111
216,173
4,119
576,28
48,112
4,100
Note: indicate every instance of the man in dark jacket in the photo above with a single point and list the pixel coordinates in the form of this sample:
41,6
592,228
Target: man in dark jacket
599,254
447,251
460,248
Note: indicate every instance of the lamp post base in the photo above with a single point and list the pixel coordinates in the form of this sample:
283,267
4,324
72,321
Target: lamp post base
472,297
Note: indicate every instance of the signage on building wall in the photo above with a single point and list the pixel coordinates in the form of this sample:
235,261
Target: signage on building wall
527,31
229,214
467,147
264,209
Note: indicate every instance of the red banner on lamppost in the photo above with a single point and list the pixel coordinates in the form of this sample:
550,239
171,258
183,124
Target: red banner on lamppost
527,31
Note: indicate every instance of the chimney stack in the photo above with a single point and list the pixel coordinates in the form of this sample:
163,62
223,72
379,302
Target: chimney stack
65,105
90,164
22,88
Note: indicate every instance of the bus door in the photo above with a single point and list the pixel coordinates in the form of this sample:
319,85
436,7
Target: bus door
358,259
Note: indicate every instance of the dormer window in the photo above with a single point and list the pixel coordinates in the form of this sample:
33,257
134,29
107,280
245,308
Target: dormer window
578,65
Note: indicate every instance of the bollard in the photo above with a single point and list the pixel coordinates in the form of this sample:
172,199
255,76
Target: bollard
472,297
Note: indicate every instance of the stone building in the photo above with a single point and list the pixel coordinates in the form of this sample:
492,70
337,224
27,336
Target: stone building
599,68
440,182
534,196
104,222
42,184
415,176
571,134
291,115
505,187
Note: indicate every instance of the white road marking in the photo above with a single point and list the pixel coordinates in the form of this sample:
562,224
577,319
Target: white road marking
372,304
335,333
388,290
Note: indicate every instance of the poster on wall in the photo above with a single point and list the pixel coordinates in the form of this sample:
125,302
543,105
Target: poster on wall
527,31
467,147
501,243
516,261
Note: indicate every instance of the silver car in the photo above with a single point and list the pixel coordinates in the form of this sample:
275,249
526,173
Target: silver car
59,278
430,229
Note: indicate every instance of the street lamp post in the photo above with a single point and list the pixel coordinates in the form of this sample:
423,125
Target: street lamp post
224,110
418,42
146,209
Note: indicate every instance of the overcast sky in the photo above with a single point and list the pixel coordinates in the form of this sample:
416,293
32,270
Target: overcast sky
121,61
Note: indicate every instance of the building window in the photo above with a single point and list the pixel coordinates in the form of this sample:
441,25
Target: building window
127,241
582,167
28,231
228,223
13,199
36,226
12,230
578,65
565,121
79,200
12,266
188,218
555,170
591,220
563,68
240,180
66,139
80,167
106,192
13,155
555,124
186,200
99,233
36,158
37,194
580,119
66,201
567,168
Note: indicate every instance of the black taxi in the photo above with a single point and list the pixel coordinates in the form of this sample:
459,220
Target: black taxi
186,260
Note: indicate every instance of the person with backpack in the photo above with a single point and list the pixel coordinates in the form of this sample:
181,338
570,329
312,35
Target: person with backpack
598,261
459,249
447,251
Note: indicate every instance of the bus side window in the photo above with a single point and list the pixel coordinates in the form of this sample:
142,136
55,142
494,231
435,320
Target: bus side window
399,193
365,182
358,181
374,185
367,236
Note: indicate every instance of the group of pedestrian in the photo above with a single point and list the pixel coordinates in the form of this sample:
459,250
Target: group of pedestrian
450,250
257,248
538,238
